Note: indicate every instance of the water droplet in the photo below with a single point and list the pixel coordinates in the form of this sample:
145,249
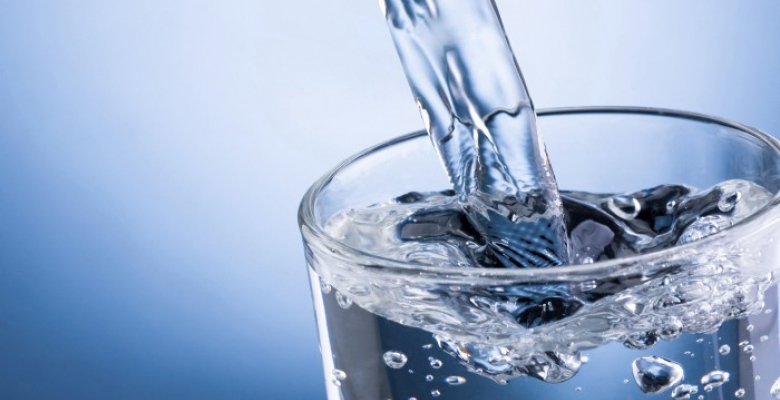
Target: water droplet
587,260
435,393
625,381
740,393
411,371
750,328
325,287
435,362
713,379
701,397
757,378
748,349
700,340
427,346
655,374
429,378
684,391
413,398
752,358
775,390
763,339
744,343
455,380
724,350
578,389
344,301
394,359
625,207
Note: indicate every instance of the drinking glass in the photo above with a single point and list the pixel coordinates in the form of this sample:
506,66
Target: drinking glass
702,314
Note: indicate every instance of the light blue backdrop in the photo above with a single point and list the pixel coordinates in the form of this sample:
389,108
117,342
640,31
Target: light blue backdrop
153,153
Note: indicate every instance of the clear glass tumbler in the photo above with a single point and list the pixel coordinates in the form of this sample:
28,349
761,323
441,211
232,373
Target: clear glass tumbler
698,320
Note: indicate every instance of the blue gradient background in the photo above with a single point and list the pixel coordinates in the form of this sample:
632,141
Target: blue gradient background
153,154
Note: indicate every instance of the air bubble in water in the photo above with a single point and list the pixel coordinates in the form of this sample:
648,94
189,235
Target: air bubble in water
655,374
703,227
775,390
338,376
625,207
728,201
344,301
395,359
455,380
699,340
435,362
325,287
435,393
670,205
713,379
685,391
750,328
763,338
427,346
429,378
748,349
740,393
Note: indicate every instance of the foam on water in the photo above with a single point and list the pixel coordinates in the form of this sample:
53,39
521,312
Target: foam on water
538,328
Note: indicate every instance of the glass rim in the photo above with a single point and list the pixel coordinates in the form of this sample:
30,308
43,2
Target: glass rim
746,227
